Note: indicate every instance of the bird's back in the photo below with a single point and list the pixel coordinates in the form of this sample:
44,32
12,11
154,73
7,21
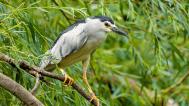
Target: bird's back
75,44
69,41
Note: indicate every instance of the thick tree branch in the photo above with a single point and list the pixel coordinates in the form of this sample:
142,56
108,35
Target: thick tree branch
33,70
16,89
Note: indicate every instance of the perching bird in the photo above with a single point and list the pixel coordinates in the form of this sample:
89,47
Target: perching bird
77,42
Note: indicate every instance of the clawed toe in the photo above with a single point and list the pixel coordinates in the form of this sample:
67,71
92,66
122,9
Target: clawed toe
93,97
68,80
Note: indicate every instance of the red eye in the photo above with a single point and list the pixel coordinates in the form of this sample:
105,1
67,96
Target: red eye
106,24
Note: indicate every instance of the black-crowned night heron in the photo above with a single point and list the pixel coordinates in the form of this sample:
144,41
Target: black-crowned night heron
77,42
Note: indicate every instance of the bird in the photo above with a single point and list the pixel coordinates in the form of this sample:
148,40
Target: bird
77,43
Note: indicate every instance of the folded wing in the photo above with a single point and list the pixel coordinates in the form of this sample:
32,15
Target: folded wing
68,43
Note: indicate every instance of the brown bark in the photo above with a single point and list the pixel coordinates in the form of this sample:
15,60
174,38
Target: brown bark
33,70
16,89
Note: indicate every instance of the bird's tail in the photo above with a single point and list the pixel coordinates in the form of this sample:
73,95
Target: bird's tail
46,60
48,63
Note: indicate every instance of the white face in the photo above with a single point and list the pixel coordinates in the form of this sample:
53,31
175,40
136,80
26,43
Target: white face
95,25
107,26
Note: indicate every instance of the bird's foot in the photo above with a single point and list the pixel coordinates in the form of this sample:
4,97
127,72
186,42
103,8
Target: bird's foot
93,97
68,81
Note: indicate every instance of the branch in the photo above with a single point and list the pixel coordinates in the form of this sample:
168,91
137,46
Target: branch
19,91
148,94
33,70
179,82
37,83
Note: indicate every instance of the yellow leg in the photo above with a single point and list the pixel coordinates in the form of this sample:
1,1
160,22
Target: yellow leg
85,64
67,78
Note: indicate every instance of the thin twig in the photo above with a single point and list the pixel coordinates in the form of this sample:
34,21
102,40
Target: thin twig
33,69
37,83
179,82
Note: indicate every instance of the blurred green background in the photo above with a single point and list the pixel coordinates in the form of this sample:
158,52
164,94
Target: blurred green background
123,72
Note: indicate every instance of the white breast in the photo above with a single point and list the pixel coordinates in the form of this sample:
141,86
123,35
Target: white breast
95,40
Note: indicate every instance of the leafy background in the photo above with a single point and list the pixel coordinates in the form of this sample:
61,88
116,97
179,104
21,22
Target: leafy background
132,72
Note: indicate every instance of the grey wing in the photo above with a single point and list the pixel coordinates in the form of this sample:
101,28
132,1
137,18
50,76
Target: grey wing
64,46
72,43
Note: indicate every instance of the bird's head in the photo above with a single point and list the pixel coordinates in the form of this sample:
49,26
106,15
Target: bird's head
105,24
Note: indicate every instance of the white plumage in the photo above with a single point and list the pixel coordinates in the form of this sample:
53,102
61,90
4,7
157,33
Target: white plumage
76,44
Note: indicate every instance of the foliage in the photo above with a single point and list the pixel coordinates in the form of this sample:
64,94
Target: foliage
155,56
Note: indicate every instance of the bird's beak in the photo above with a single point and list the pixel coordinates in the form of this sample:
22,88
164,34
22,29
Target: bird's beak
119,31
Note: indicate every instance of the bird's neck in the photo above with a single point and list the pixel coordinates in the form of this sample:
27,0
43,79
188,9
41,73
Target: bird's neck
99,35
